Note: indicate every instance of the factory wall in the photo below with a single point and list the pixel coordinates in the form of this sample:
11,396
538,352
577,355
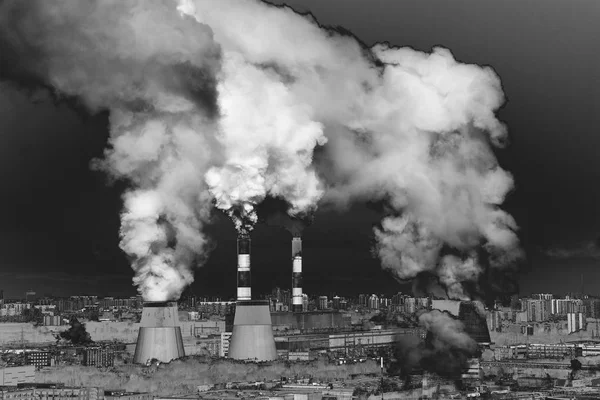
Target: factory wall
310,320
370,338
10,333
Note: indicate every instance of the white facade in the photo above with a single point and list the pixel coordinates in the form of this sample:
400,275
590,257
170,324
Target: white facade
575,322
224,349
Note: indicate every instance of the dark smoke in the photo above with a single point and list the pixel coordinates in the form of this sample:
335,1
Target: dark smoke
273,211
76,334
445,350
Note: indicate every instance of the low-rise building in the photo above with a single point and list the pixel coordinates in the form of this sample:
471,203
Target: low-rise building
49,391
124,395
98,357
39,359
12,376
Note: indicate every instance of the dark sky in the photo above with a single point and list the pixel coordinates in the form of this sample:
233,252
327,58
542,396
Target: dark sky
60,220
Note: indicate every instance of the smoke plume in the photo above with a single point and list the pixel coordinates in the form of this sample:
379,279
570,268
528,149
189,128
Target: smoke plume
155,71
76,334
225,102
445,351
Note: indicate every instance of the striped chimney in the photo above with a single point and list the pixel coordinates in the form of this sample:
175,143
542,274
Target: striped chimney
297,274
244,291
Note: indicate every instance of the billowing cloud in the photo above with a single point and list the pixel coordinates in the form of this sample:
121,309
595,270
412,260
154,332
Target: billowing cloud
225,102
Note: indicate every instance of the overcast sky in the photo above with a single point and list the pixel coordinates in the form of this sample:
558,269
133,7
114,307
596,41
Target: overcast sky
60,220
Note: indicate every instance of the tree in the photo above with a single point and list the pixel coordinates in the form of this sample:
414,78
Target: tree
76,334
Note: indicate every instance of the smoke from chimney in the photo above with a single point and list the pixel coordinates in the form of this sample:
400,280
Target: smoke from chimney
204,112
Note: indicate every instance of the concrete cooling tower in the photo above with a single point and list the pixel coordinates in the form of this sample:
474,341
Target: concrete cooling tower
160,334
252,336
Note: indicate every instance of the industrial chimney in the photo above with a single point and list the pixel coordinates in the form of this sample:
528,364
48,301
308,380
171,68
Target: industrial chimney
160,334
252,336
244,290
297,299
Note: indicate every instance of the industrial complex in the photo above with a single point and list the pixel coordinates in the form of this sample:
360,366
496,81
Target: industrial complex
540,343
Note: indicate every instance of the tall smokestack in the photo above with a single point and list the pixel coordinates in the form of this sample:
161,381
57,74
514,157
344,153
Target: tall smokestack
244,290
297,274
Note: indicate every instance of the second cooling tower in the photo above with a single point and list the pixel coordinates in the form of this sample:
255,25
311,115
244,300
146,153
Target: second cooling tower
252,337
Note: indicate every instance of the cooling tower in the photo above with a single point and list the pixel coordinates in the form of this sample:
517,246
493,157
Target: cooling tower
244,290
252,336
297,299
160,335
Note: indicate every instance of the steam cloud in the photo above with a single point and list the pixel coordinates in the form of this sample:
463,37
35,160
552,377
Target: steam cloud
224,102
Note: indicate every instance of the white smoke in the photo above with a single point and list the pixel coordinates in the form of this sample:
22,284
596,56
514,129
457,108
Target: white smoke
415,130
152,68
225,101
268,138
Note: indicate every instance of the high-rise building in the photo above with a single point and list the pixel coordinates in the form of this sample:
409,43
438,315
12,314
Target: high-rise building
336,302
323,302
397,299
374,302
565,306
304,302
538,310
30,296
343,305
575,322
592,308
363,300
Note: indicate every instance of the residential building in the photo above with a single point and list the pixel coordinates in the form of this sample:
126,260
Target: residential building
374,302
322,302
39,359
224,347
575,322
98,357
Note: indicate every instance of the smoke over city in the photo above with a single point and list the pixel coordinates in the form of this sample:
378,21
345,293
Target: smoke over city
445,351
223,103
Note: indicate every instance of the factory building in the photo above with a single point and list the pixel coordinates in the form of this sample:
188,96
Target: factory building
311,320
39,359
12,376
98,357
